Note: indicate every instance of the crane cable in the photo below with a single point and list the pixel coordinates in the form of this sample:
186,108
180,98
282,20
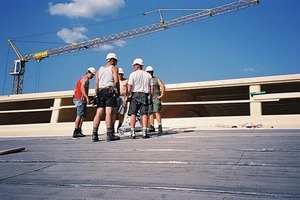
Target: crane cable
6,67
38,75
87,25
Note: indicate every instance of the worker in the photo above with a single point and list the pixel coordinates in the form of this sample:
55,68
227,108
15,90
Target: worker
155,108
106,89
140,88
81,99
121,108
122,100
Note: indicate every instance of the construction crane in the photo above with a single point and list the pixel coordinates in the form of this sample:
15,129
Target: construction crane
19,65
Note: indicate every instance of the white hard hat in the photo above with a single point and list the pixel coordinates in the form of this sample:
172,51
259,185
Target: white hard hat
149,69
92,70
110,56
121,71
138,61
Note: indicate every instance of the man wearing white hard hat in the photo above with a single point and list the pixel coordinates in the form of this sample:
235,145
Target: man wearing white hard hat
81,99
140,86
122,100
121,107
106,89
155,108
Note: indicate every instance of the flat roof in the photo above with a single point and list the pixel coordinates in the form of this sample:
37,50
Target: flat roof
180,164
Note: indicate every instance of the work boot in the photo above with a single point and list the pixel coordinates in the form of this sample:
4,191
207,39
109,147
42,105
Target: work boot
160,129
110,136
145,133
115,136
95,137
77,133
151,128
132,133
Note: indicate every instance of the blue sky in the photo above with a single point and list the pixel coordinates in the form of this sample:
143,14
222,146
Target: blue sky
262,40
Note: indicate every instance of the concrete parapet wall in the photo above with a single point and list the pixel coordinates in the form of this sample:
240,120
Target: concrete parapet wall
66,129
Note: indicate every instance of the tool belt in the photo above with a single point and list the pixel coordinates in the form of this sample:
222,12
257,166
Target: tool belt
111,89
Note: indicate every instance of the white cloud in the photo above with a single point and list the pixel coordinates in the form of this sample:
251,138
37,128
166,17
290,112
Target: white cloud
86,8
72,35
120,43
77,35
105,47
249,70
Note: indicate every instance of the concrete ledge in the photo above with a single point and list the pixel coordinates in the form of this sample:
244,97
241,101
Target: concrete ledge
197,123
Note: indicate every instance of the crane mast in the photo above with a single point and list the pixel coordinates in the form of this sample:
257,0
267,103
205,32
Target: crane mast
136,32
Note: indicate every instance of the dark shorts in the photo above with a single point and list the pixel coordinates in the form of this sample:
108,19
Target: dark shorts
80,106
106,98
155,107
139,102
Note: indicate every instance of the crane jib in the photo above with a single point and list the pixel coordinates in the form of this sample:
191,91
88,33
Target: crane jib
203,14
19,66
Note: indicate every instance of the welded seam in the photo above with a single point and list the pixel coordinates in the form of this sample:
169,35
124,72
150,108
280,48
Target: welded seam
171,162
168,188
240,158
28,172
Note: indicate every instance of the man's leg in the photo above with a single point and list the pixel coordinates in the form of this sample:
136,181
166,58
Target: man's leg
80,114
145,121
108,120
158,118
77,131
151,121
96,123
113,120
108,117
77,121
80,124
122,111
132,126
156,110
145,125
121,120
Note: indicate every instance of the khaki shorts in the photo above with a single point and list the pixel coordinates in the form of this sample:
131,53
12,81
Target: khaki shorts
121,105
155,107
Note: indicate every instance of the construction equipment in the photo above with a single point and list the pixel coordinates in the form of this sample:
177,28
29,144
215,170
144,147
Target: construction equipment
18,70
19,67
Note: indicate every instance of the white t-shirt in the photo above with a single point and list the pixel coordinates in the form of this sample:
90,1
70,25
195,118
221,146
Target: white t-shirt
140,81
106,78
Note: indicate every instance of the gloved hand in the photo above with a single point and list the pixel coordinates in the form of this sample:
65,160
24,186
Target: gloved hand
95,100
116,93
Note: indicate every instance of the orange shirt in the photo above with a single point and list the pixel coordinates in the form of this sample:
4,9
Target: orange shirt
77,91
